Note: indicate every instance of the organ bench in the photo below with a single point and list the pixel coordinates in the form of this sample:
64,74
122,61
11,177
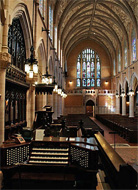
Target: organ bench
53,159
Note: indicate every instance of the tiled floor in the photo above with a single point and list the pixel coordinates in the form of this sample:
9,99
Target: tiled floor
128,151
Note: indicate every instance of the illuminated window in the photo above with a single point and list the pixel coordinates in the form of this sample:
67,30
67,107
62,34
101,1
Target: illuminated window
114,68
55,40
119,61
42,7
125,54
133,37
88,69
51,22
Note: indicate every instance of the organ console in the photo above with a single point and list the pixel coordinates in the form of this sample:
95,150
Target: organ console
79,153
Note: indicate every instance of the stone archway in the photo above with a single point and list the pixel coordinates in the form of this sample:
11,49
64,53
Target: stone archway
90,105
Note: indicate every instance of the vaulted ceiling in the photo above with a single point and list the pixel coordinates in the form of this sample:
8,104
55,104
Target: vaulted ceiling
105,21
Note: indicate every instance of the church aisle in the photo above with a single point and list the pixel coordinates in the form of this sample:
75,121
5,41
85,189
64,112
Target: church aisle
128,151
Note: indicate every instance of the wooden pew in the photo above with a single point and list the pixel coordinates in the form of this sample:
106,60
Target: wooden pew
119,174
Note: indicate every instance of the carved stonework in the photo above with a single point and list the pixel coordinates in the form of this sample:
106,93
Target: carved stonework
5,60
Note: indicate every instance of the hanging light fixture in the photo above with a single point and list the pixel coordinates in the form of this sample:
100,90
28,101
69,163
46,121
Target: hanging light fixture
31,63
117,95
47,78
55,86
123,93
131,92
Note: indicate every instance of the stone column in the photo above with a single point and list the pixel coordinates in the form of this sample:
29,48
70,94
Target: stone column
58,105
55,105
63,99
131,106
30,106
117,105
123,105
40,101
4,62
50,100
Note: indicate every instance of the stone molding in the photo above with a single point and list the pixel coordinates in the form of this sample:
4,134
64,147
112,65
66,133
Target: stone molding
5,60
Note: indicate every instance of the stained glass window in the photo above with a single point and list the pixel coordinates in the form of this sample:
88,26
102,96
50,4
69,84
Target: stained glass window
51,22
119,61
42,7
88,69
114,68
98,82
78,82
55,40
125,54
133,45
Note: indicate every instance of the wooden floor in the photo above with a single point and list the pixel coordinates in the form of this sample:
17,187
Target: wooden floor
128,151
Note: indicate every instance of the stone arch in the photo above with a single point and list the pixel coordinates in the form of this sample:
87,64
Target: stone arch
90,108
21,11
125,81
134,77
41,53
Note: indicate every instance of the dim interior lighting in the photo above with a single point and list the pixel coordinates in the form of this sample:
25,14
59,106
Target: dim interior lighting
131,92
127,103
31,74
47,78
59,91
106,82
117,95
123,93
31,63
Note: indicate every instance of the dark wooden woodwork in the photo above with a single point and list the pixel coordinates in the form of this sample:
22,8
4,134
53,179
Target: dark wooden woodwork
119,174
25,172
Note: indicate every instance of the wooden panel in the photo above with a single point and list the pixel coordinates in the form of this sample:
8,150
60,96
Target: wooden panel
73,101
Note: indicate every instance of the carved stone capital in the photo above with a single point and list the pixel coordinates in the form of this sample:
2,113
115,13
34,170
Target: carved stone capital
5,60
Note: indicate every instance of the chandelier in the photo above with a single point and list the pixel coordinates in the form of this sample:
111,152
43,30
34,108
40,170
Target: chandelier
31,63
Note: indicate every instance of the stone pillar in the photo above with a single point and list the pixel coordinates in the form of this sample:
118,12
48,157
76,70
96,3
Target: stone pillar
40,101
58,105
50,100
131,106
117,105
30,107
4,62
123,105
63,99
55,105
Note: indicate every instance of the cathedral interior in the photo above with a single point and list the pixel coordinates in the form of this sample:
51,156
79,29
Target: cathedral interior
68,94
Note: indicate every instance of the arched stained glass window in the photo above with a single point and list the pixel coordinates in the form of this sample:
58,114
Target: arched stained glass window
119,61
133,37
114,68
88,69
125,54
55,40
42,7
51,22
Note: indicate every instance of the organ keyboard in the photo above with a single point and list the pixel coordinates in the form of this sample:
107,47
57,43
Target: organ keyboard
54,158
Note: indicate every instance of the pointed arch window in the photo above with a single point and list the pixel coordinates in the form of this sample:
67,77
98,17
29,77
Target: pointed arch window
42,7
51,22
119,60
125,54
114,68
88,69
16,44
133,37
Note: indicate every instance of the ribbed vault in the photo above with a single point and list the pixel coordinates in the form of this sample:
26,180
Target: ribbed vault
105,21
